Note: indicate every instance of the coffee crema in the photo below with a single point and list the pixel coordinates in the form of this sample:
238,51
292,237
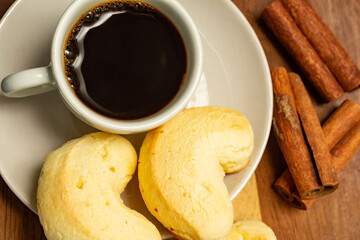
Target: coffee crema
125,59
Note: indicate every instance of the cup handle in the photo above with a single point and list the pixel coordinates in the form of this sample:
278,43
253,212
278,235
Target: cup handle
28,82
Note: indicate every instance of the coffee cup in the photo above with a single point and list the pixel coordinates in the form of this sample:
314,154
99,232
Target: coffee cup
56,76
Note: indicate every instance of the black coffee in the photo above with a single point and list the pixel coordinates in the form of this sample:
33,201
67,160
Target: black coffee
125,60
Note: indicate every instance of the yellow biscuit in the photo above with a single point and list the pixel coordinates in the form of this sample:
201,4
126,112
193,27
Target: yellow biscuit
182,165
251,229
79,191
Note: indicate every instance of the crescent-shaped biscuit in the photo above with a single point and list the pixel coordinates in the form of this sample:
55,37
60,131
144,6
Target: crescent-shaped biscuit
182,165
251,229
79,191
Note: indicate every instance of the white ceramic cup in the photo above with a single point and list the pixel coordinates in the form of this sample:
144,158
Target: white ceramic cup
44,79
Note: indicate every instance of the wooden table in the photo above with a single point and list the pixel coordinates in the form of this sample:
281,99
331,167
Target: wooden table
336,216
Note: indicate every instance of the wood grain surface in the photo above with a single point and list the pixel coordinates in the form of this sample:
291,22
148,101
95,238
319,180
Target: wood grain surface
336,216
247,203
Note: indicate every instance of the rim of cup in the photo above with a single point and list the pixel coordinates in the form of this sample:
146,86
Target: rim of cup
184,24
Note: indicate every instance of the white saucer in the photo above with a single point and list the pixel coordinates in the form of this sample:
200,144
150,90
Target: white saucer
235,69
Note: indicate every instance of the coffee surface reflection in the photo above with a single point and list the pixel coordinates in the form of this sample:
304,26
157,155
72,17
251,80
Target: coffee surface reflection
125,60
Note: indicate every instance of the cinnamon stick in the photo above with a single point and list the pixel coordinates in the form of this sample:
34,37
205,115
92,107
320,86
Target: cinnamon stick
346,148
290,138
315,136
284,28
324,42
301,203
285,186
340,122
341,154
